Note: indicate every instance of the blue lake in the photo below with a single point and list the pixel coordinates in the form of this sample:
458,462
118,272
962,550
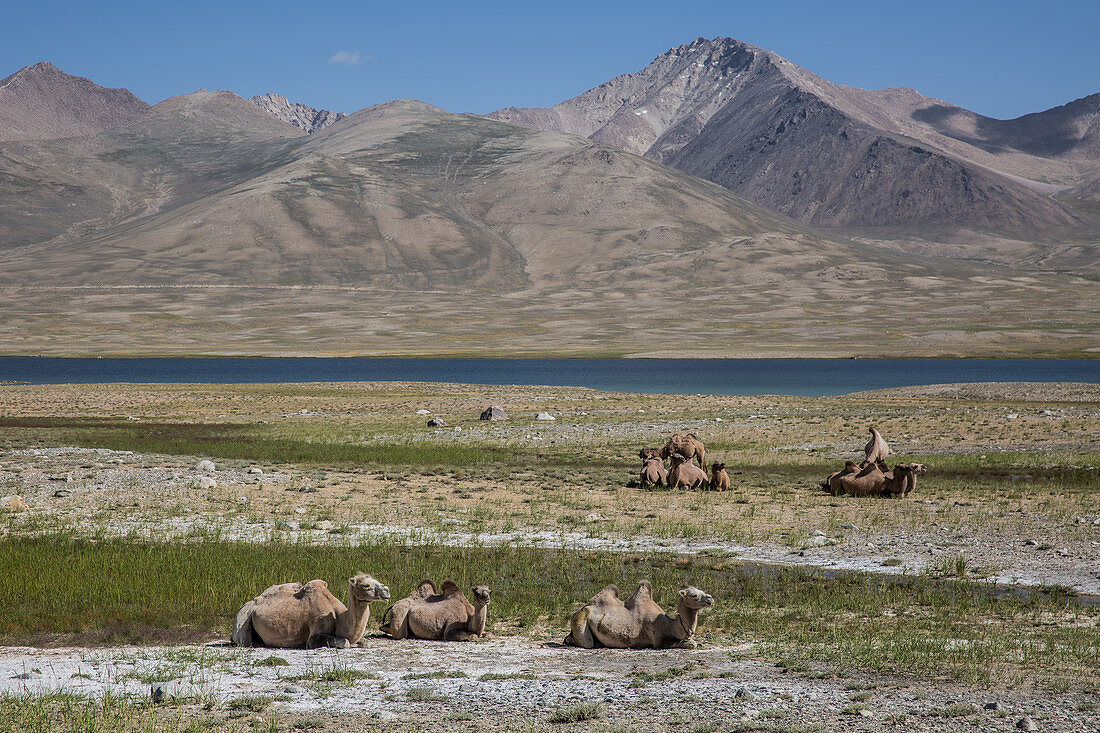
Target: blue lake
811,377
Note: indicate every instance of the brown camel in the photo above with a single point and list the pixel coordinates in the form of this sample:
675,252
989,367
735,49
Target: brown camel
647,453
871,480
427,613
685,475
606,620
876,449
688,446
293,615
653,472
902,480
850,468
719,479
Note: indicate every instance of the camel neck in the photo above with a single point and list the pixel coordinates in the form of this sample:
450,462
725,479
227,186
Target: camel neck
477,622
686,620
352,624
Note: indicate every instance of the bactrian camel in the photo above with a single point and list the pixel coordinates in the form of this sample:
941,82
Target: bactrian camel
688,446
876,449
293,615
638,622
427,613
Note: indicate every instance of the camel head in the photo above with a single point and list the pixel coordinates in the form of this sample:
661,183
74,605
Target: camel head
367,589
872,431
695,598
646,453
481,594
716,467
678,458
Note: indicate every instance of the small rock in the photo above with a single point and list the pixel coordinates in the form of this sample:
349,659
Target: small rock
13,504
864,712
303,411
815,541
817,533
496,412
161,691
595,517
1026,723
205,465
299,510
242,499
718,419
1011,416
992,706
204,482
849,527
256,470
131,417
423,412
294,690
545,416
62,494
742,694
435,422
1031,543
32,675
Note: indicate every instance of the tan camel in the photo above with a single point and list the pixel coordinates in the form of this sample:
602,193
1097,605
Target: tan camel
871,480
427,613
685,475
653,472
719,479
293,615
606,620
902,480
876,449
688,446
646,453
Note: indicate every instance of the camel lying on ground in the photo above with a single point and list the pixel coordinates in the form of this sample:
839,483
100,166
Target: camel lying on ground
871,480
685,475
876,449
293,615
719,479
688,446
653,472
427,613
606,620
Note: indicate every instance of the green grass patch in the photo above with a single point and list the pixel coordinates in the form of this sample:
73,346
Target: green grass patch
139,591
577,713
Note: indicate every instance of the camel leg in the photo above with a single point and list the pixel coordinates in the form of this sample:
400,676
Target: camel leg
317,640
453,631
580,632
243,633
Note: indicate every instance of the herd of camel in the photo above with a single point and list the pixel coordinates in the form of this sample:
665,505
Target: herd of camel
293,615
871,477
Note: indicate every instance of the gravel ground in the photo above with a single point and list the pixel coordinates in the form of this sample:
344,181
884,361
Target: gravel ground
716,685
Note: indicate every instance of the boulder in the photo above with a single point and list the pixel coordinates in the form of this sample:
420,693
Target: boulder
204,482
545,416
422,411
256,470
496,412
205,465
435,422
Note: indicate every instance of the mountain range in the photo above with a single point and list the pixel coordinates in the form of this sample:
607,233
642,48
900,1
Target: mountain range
686,209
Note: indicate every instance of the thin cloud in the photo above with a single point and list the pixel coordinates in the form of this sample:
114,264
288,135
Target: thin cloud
343,57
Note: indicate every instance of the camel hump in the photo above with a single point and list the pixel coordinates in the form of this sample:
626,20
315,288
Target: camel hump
451,588
610,592
426,588
313,586
643,592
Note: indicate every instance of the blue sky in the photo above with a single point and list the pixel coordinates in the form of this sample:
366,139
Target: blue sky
1001,59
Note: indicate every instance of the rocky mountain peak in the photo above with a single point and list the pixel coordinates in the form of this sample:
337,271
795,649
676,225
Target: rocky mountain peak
300,115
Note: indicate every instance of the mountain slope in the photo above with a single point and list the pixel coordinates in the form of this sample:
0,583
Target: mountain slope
406,195
824,154
41,102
